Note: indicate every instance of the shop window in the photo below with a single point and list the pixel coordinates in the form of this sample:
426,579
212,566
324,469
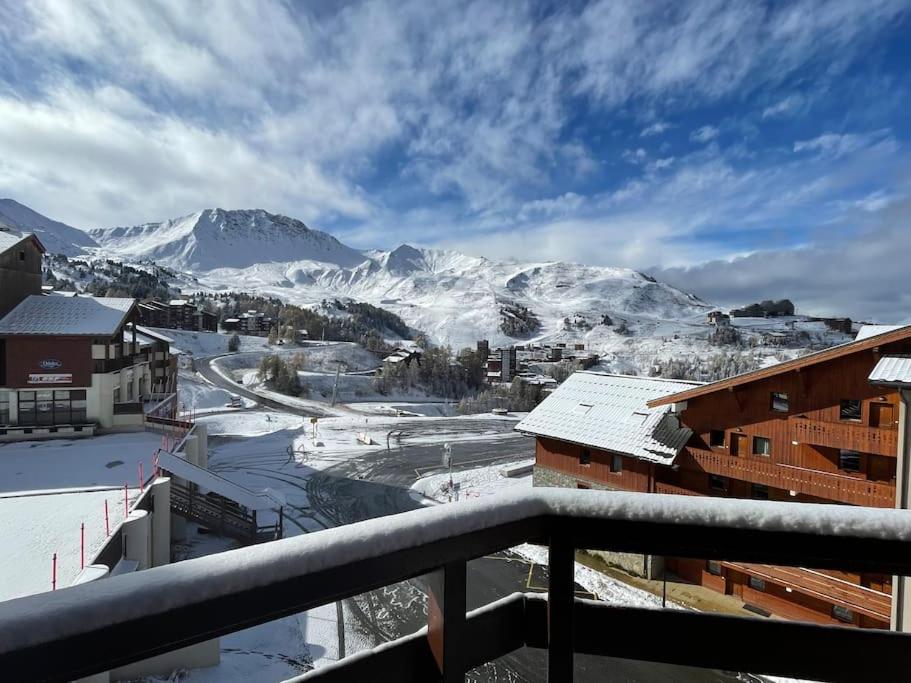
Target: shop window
4,407
757,584
616,464
779,402
843,614
849,410
585,456
762,446
61,406
716,438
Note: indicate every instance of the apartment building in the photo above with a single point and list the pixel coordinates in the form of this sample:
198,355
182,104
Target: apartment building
71,365
814,429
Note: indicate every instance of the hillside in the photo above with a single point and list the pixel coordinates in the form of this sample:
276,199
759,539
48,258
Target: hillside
57,237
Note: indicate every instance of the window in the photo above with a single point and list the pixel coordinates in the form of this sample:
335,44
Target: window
848,460
718,483
849,410
580,485
779,402
716,438
757,584
762,446
4,407
714,567
61,406
616,464
21,255
585,457
843,614
759,492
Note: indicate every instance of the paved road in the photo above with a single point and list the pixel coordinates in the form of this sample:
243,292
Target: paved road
203,365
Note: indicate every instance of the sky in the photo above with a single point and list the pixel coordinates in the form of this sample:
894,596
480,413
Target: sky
740,150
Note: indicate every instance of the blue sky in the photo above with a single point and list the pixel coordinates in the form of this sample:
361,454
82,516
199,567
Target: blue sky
737,149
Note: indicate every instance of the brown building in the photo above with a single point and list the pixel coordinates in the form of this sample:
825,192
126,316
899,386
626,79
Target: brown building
812,429
71,365
20,267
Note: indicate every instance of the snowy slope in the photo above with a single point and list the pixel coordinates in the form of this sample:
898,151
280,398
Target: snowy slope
455,298
216,238
57,237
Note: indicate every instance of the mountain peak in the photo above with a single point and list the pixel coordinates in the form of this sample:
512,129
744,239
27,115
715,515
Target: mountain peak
226,238
57,237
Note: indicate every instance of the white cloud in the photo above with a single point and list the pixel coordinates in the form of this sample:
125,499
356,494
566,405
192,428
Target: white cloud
783,107
656,128
836,145
704,134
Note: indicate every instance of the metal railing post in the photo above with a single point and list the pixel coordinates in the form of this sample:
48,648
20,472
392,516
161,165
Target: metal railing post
560,597
447,630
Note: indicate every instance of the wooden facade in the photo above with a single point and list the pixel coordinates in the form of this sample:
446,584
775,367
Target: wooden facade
816,431
20,272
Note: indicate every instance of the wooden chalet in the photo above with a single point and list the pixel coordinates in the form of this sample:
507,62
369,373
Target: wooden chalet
818,429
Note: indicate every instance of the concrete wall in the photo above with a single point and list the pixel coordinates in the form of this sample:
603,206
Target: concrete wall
647,566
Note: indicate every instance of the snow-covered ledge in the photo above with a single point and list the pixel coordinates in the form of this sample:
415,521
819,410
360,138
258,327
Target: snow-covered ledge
311,569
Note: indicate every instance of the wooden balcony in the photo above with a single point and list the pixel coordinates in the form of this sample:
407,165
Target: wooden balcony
661,487
857,598
835,487
855,437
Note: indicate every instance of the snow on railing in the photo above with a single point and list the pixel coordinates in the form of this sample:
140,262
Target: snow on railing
191,601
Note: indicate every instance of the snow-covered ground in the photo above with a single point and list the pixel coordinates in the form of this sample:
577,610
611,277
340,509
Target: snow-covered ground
208,343
49,488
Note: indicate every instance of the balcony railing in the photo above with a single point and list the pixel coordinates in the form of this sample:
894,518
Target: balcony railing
98,626
837,487
855,437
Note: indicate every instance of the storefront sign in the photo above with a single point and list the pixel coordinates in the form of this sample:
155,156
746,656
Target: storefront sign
57,378
50,364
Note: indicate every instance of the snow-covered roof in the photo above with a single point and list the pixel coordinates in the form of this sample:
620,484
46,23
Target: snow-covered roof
57,315
10,238
867,331
892,370
609,412
154,335
179,302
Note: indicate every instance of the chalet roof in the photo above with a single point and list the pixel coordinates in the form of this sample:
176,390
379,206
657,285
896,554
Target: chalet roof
892,370
57,315
867,331
872,342
609,412
10,238
144,335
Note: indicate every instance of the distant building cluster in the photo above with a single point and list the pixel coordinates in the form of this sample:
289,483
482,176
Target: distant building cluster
252,323
177,314
502,365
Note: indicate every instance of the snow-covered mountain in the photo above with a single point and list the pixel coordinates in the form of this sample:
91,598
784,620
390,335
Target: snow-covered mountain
57,237
455,298
216,238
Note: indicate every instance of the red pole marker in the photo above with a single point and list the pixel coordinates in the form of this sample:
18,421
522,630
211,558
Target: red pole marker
54,573
82,546
107,520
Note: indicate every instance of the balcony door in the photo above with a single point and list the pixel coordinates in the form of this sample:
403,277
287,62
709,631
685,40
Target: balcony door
882,415
740,444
